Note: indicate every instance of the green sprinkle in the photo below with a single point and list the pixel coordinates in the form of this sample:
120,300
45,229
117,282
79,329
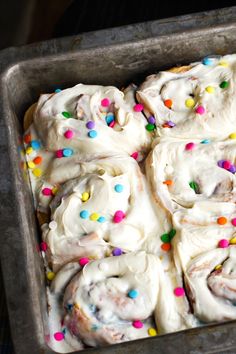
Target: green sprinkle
194,186
172,234
224,84
150,127
67,114
165,238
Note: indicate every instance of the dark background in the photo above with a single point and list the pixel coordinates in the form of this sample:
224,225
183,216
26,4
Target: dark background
28,21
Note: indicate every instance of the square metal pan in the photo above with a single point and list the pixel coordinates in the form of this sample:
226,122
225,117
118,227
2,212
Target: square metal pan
109,57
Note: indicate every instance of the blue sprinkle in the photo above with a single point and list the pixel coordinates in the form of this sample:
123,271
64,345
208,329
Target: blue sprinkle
119,188
92,133
64,330
84,214
94,327
205,141
69,307
207,61
101,219
109,118
57,90
133,294
92,308
67,152
35,144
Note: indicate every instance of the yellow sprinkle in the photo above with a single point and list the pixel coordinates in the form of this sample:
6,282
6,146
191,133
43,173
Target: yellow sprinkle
94,216
223,63
85,196
77,306
152,332
54,190
232,136
31,164
29,150
210,89
37,172
189,102
218,267
50,275
233,241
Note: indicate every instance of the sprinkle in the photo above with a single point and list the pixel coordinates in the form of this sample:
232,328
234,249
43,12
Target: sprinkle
152,332
233,221
134,155
37,172
223,243
69,134
54,190
194,186
232,169
166,247
117,252
138,107
83,261
90,124
210,89
179,292
59,154
27,138
119,188
35,144
165,238
92,133
67,152
224,84
168,103
222,220
190,146
150,127
85,196
37,160
170,124
43,246
94,217
133,294
31,164
200,110
59,336
84,214
233,241
47,192
137,324
57,90
206,141
172,233
105,102
223,63
112,124
218,266
94,327
189,103
110,118
232,136
118,216
67,114
168,182
226,164
151,120
29,150
207,61
220,163
92,308
50,275
101,219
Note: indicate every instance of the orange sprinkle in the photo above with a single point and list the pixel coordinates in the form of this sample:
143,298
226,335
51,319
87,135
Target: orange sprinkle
221,220
168,103
166,247
37,160
165,125
27,138
168,182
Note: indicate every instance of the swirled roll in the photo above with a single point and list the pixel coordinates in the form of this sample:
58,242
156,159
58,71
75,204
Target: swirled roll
197,102
182,173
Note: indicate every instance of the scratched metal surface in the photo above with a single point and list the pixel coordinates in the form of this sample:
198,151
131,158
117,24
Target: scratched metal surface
116,56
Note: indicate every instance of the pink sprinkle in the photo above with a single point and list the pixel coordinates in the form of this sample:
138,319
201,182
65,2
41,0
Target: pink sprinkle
118,216
134,155
223,243
138,107
69,134
226,164
200,110
190,146
137,324
59,336
233,221
47,192
83,261
43,246
112,124
105,102
59,154
179,292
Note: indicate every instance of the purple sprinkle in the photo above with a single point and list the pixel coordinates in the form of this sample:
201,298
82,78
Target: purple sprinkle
151,120
232,169
117,252
220,163
90,124
171,124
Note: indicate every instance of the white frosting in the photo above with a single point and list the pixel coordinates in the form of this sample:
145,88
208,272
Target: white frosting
169,160
219,119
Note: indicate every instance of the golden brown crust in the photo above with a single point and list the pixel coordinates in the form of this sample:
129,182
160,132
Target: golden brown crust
180,69
29,114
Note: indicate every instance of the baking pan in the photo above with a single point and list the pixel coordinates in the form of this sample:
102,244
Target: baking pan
109,57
